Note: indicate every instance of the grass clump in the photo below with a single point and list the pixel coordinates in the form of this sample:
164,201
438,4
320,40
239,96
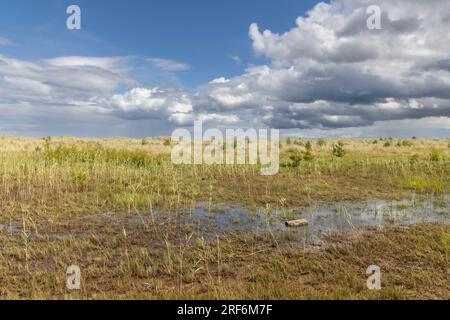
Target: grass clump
407,143
338,150
296,158
435,155
167,142
308,156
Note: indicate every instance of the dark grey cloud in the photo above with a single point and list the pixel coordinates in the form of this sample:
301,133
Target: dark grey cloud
439,65
356,25
331,116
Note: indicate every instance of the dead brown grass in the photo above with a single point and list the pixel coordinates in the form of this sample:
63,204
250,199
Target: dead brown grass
161,263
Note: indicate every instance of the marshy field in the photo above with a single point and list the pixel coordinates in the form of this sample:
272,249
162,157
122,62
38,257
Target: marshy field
140,227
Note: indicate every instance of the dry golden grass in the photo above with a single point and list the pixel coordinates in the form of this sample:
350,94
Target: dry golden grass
146,263
53,189
66,176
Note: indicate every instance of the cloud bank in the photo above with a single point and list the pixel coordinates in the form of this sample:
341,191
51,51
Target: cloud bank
329,71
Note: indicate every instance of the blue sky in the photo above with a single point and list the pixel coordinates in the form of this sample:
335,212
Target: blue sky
142,68
204,34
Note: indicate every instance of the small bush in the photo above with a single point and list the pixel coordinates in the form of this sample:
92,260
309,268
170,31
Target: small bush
167,142
406,143
308,154
295,158
338,151
435,154
387,144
